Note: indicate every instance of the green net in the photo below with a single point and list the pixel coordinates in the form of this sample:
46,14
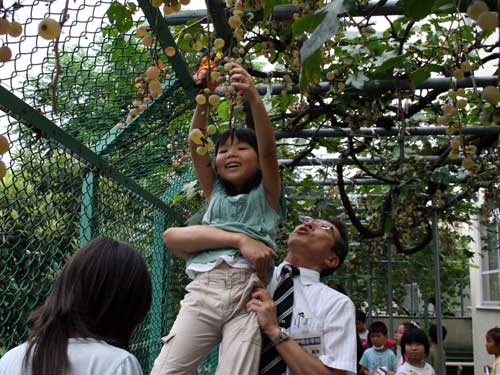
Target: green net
55,198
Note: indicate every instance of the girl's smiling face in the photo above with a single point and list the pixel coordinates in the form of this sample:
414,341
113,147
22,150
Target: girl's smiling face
237,162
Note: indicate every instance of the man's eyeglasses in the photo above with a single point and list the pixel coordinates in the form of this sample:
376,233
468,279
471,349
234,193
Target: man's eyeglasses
319,223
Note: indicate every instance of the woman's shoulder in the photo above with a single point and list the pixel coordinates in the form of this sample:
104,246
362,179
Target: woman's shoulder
11,362
103,357
97,346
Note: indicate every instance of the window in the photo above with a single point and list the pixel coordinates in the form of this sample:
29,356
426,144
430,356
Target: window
490,265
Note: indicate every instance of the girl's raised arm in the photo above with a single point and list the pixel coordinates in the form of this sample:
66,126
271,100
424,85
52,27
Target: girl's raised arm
268,159
202,163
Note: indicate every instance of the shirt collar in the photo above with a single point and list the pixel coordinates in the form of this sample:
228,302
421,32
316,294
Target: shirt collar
307,275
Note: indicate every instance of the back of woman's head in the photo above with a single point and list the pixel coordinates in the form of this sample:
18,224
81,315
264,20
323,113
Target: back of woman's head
104,291
414,336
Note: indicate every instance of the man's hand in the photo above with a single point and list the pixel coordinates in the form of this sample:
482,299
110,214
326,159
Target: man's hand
263,305
258,255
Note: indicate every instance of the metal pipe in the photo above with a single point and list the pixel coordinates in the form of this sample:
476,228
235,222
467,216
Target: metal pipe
364,160
286,12
389,288
378,86
437,292
374,181
382,132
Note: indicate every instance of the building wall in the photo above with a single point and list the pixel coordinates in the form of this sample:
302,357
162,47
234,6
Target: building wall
483,317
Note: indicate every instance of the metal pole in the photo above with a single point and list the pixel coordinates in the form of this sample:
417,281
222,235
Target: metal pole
437,291
87,207
370,297
462,310
378,86
349,161
389,288
382,132
285,12
157,276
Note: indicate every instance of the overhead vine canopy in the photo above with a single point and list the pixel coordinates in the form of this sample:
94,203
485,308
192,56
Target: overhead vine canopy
378,76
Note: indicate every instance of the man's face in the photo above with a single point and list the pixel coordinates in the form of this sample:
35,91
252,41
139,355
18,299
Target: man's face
316,238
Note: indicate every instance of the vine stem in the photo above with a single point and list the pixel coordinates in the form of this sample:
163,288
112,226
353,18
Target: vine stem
55,80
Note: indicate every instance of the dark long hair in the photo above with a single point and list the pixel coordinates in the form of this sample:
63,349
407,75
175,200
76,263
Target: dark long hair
103,292
244,135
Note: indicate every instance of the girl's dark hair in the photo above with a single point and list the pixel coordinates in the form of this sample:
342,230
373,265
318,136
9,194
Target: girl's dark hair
494,334
103,292
414,335
243,135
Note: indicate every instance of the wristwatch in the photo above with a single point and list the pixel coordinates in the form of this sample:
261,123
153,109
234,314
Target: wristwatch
283,336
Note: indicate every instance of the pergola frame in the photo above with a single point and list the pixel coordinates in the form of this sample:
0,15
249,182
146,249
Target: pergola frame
216,15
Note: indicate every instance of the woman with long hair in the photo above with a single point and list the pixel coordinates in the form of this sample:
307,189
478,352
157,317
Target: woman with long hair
99,299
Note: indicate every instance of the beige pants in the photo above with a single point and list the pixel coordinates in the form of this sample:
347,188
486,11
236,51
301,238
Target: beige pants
212,312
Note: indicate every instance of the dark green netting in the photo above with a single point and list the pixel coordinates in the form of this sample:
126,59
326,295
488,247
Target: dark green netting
53,199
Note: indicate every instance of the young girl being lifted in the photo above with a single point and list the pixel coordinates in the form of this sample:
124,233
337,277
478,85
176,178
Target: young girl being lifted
244,196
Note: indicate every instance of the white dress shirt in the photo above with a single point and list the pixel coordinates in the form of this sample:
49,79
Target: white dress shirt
321,314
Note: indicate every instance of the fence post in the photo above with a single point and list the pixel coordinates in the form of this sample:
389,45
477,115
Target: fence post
370,296
157,275
437,288
87,222
388,246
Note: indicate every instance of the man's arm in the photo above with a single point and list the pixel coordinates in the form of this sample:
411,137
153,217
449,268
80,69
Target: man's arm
186,241
297,359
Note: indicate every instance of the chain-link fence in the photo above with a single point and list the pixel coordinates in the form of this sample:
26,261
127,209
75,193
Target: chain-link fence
78,168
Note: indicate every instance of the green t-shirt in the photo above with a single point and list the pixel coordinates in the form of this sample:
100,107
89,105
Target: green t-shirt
433,359
244,213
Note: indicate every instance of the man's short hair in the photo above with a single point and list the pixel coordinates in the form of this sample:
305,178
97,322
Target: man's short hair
433,332
360,316
340,245
378,327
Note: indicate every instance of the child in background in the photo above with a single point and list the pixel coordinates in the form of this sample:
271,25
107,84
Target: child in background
415,348
361,325
493,347
377,358
244,198
433,352
402,329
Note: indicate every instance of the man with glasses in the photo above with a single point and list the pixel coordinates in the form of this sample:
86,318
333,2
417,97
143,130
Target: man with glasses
315,331
321,338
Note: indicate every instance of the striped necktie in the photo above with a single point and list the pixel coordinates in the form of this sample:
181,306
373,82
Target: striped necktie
270,361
